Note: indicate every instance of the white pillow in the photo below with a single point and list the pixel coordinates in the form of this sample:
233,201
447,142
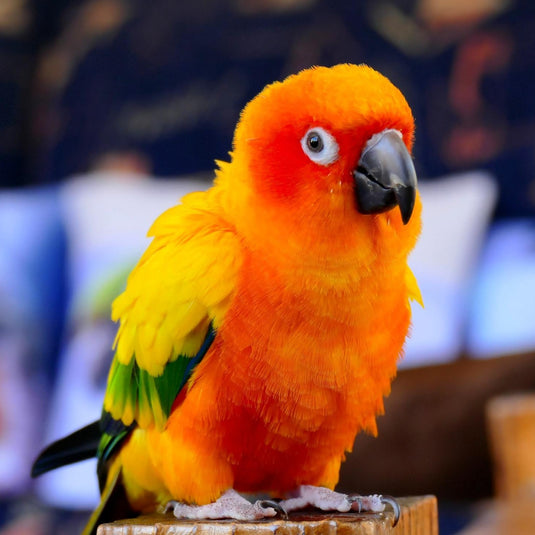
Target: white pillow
456,214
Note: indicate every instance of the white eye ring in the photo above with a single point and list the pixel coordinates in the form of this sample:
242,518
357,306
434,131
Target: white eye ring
320,146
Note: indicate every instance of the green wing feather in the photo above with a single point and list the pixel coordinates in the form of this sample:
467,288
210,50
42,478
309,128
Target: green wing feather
139,386
134,391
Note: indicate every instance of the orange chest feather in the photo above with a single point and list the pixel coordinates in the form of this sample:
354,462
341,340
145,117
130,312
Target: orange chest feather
293,375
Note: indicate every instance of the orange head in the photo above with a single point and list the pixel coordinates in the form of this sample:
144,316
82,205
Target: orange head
326,152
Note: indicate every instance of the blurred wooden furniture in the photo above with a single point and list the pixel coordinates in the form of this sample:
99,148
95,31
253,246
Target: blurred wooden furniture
504,518
418,517
511,427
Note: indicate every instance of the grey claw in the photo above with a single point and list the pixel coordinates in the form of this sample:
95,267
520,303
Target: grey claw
395,506
169,506
355,498
275,505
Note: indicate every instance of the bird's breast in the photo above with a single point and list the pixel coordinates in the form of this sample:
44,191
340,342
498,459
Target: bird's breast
292,376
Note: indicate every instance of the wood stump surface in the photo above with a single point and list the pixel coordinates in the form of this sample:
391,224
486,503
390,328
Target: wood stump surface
418,517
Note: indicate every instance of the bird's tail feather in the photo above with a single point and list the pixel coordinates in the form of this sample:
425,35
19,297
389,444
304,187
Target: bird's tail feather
113,502
78,446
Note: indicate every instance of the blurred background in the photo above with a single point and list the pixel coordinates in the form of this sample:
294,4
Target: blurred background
111,110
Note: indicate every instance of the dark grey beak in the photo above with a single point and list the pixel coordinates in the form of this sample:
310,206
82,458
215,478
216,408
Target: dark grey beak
385,176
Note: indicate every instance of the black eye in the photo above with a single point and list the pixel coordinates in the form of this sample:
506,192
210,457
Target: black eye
314,142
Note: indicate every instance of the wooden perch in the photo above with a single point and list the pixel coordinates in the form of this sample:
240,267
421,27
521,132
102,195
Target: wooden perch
418,517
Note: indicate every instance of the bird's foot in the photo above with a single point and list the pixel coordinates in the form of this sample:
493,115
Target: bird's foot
229,505
375,503
329,500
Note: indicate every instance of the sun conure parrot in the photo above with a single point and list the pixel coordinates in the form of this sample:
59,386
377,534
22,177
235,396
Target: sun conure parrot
260,330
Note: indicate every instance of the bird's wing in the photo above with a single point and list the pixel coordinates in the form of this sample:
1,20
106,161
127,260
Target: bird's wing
174,301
